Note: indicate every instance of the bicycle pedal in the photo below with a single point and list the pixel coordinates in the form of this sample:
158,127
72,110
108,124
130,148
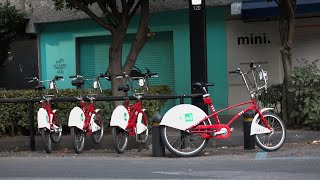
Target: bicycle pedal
231,129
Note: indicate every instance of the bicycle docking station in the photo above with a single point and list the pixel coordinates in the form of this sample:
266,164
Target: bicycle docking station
248,141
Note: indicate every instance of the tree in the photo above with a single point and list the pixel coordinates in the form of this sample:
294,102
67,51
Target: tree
117,15
11,20
287,10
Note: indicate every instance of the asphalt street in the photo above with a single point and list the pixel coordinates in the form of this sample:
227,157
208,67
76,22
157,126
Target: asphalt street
292,161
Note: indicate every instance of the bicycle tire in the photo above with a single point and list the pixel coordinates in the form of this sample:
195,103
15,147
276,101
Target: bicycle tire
274,140
97,136
56,136
46,140
186,147
78,138
118,145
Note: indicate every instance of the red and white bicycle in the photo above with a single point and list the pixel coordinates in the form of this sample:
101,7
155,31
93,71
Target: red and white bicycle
131,120
186,129
49,123
86,119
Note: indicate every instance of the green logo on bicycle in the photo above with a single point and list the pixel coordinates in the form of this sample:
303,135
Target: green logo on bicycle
125,116
81,117
188,117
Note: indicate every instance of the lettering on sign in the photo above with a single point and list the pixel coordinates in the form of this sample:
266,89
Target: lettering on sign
197,8
60,66
253,39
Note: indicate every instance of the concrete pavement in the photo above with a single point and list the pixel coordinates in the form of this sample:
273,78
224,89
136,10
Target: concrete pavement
21,143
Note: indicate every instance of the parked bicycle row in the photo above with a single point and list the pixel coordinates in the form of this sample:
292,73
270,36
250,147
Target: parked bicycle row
185,128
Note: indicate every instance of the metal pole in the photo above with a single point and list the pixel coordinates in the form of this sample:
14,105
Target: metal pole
31,126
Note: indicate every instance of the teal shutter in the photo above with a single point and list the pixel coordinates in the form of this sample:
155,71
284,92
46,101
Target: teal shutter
156,55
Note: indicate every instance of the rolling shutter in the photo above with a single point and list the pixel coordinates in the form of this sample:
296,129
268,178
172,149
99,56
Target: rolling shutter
157,55
306,42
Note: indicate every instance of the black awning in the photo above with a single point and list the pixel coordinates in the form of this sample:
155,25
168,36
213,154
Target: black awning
263,9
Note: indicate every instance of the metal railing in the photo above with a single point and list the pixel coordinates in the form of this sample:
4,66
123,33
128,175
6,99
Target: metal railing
31,102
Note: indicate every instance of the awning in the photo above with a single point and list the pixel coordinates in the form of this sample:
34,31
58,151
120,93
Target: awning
263,9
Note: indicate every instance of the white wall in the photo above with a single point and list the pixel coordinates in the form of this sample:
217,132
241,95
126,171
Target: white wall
253,41
306,45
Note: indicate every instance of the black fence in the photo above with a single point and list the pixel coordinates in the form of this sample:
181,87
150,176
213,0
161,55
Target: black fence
31,102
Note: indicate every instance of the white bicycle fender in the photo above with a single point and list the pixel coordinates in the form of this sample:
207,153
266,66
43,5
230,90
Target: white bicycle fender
120,117
255,127
140,126
183,116
43,119
93,125
76,118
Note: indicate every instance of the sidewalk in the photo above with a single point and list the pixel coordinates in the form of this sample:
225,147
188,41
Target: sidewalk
21,143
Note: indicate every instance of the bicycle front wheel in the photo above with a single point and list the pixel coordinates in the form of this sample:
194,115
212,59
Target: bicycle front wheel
98,135
182,143
274,140
120,139
78,137
57,126
45,134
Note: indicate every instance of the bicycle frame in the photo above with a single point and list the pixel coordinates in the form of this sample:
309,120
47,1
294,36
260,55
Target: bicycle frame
134,111
193,115
50,113
214,128
88,110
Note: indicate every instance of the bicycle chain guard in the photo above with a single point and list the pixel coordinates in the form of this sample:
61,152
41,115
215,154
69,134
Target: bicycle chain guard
218,131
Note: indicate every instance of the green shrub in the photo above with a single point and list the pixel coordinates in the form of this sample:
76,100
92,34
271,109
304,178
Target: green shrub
14,117
306,88
272,98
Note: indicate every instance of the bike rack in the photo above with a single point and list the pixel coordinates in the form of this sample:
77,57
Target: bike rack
31,102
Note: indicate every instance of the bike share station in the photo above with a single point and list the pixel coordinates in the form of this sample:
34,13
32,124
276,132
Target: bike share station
185,119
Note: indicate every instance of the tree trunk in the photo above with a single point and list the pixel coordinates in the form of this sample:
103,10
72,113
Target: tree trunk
141,37
286,29
115,62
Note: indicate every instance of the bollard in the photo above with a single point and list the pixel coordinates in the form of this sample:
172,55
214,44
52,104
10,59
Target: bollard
248,141
158,149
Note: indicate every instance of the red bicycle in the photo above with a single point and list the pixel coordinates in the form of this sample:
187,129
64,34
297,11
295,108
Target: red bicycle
49,122
85,119
186,129
131,120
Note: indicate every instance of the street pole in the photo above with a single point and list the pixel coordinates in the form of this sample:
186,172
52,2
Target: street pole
198,46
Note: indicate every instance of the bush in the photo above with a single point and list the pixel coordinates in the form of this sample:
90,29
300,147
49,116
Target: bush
272,98
14,117
306,88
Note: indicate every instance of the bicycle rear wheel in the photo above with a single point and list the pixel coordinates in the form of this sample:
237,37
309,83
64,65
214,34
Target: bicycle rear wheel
57,125
98,135
182,143
120,139
45,134
78,137
274,140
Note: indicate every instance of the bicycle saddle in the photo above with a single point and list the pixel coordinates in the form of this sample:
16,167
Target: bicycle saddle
124,88
77,82
199,85
39,88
